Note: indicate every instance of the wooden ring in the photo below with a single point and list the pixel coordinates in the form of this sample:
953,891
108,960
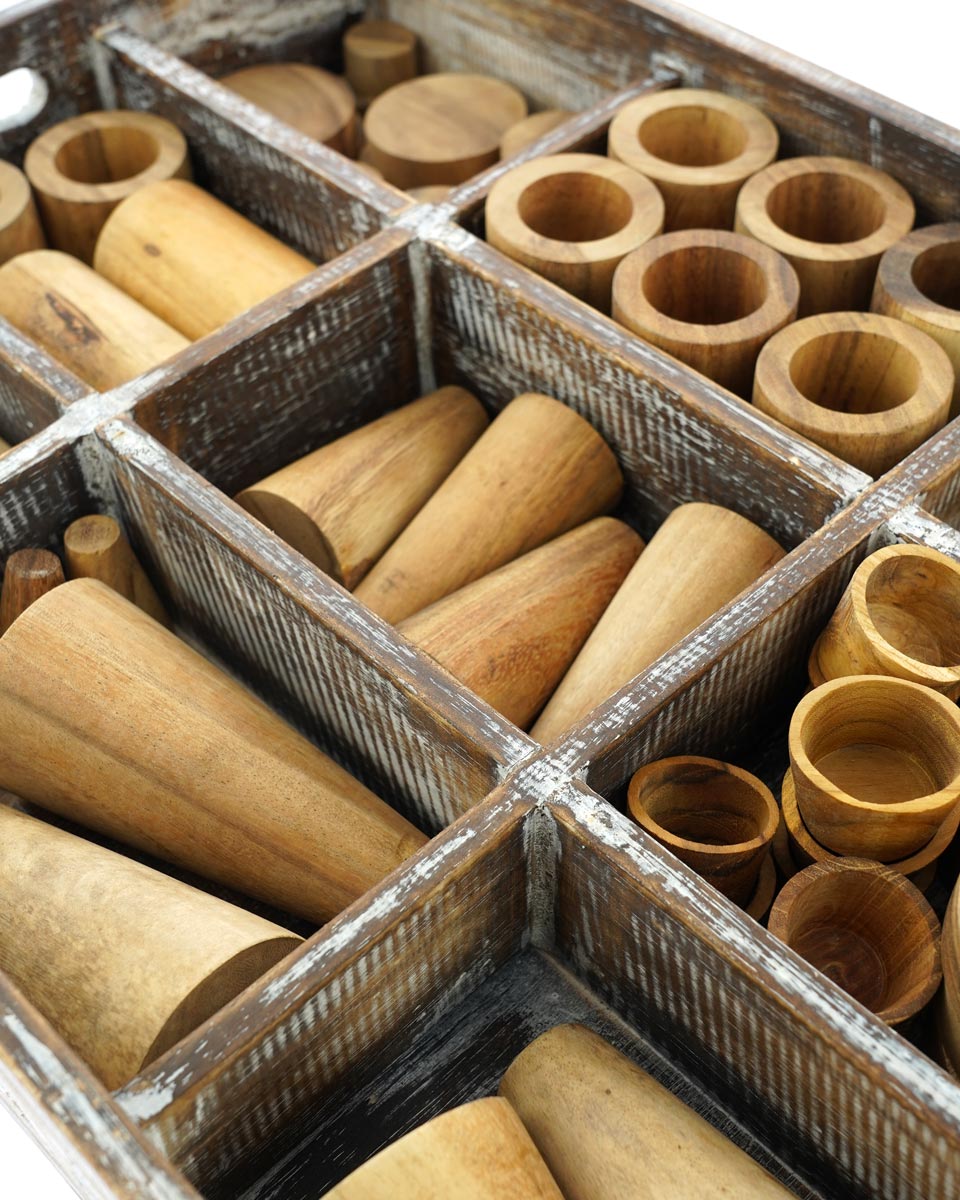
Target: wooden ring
708,297
698,147
867,388
832,218
19,224
378,55
572,218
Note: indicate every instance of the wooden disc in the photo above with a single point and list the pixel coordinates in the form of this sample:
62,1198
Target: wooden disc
313,101
537,125
19,224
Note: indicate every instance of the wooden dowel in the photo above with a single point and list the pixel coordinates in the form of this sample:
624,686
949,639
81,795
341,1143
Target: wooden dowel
19,223
519,136
378,55
95,548
29,574
122,960
313,101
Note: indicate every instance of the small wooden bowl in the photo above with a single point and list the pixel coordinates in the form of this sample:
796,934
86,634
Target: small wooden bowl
699,147
315,102
868,929
19,223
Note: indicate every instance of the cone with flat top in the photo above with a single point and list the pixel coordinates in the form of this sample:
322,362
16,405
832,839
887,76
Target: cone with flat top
95,548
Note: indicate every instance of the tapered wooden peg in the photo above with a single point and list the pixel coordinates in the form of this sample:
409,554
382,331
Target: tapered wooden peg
377,55
95,548
314,101
29,574
19,224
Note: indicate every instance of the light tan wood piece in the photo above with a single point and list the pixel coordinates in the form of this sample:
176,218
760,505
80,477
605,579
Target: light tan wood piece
377,55
311,100
82,168
29,574
493,507
758,905
699,147
192,260
832,218
167,753
343,505
918,281
715,817
876,764
530,129
440,128
431,195
83,320
94,547
868,929
511,635
122,960
948,1003
607,1129
867,388
19,223
4,446
479,1151
572,218
709,298
700,558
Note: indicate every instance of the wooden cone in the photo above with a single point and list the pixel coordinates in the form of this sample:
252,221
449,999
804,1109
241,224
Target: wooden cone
131,732
29,575
699,559
495,505
607,1129
343,505
122,960
95,548
511,635
19,224
479,1151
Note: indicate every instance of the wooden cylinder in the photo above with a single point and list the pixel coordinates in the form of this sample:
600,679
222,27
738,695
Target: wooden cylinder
121,959
95,548
531,129
538,471
699,147
918,281
867,388
832,218
900,615
192,260
868,929
435,194
479,1151
948,1004
82,168
440,128
511,635
131,732
699,559
19,223
29,574
572,218
715,817
607,1129
876,764
709,298
83,320
313,101
343,505
378,55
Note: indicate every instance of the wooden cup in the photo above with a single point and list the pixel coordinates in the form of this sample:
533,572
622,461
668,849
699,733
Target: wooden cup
715,817
121,959
190,259
607,1129
29,574
94,547
479,1151
948,1003
699,147
82,168
531,129
699,559
377,55
867,388
868,929
876,765
313,101
832,218
572,218
709,298
19,223
129,731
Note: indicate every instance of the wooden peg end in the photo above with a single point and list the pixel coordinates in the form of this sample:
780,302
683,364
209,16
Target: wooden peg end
30,574
96,548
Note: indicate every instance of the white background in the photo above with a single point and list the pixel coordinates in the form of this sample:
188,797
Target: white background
907,52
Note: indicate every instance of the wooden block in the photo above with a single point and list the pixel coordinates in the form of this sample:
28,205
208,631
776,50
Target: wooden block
95,548
315,102
377,55
29,574
19,223
530,129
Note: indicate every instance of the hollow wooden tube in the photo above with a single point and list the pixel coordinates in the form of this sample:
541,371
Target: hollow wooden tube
832,219
715,817
867,388
311,100
700,558
948,1004
82,168
83,320
511,635
19,223
708,297
29,574
605,1128
699,147
535,126
190,259
918,281
343,505
378,55
95,548
868,929
494,506
572,218
121,959
169,754
479,1151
